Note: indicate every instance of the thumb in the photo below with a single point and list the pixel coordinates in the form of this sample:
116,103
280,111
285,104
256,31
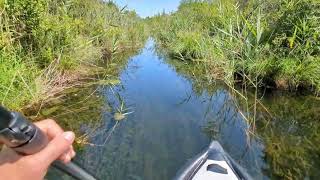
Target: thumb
55,148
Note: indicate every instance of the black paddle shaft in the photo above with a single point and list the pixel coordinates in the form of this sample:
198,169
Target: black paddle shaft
25,138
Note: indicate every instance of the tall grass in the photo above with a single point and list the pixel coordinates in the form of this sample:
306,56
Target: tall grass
261,43
47,45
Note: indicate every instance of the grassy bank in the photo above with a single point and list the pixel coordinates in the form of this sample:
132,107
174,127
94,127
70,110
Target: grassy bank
48,46
258,43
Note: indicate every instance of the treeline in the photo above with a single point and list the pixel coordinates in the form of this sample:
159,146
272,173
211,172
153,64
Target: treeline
47,44
268,43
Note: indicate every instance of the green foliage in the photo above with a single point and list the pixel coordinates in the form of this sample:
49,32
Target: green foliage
265,42
17,79
296,28
188,45
59,35
300,73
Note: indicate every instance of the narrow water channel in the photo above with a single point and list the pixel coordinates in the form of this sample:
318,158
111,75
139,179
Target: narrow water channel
168,123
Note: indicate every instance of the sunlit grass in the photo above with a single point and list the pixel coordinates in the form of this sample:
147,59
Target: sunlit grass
267,46
49,46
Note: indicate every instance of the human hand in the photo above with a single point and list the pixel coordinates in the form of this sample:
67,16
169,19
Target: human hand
34,167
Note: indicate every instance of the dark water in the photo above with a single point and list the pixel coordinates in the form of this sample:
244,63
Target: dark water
169,122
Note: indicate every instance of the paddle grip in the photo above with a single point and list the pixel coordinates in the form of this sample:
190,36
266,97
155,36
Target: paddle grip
25,138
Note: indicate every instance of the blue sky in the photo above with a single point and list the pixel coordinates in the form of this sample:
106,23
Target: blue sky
149,7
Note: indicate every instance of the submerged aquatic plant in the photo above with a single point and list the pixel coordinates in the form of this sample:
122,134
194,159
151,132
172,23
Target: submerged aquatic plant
121,111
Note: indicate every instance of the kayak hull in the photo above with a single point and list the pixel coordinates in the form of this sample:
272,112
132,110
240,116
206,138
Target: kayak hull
213,163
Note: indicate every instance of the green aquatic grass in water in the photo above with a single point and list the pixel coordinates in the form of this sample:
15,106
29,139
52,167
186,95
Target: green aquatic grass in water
291,137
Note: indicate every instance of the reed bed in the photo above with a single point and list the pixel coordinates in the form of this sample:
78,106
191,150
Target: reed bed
48,46
273,44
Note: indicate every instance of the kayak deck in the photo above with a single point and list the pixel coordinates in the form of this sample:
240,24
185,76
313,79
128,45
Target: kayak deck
214,163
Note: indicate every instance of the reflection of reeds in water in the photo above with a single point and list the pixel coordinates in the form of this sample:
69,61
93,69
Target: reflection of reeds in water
228,122
248,104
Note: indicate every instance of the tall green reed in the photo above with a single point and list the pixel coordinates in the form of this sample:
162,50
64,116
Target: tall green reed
45,45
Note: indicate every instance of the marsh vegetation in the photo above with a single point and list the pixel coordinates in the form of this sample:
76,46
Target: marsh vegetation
270,44
49,46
